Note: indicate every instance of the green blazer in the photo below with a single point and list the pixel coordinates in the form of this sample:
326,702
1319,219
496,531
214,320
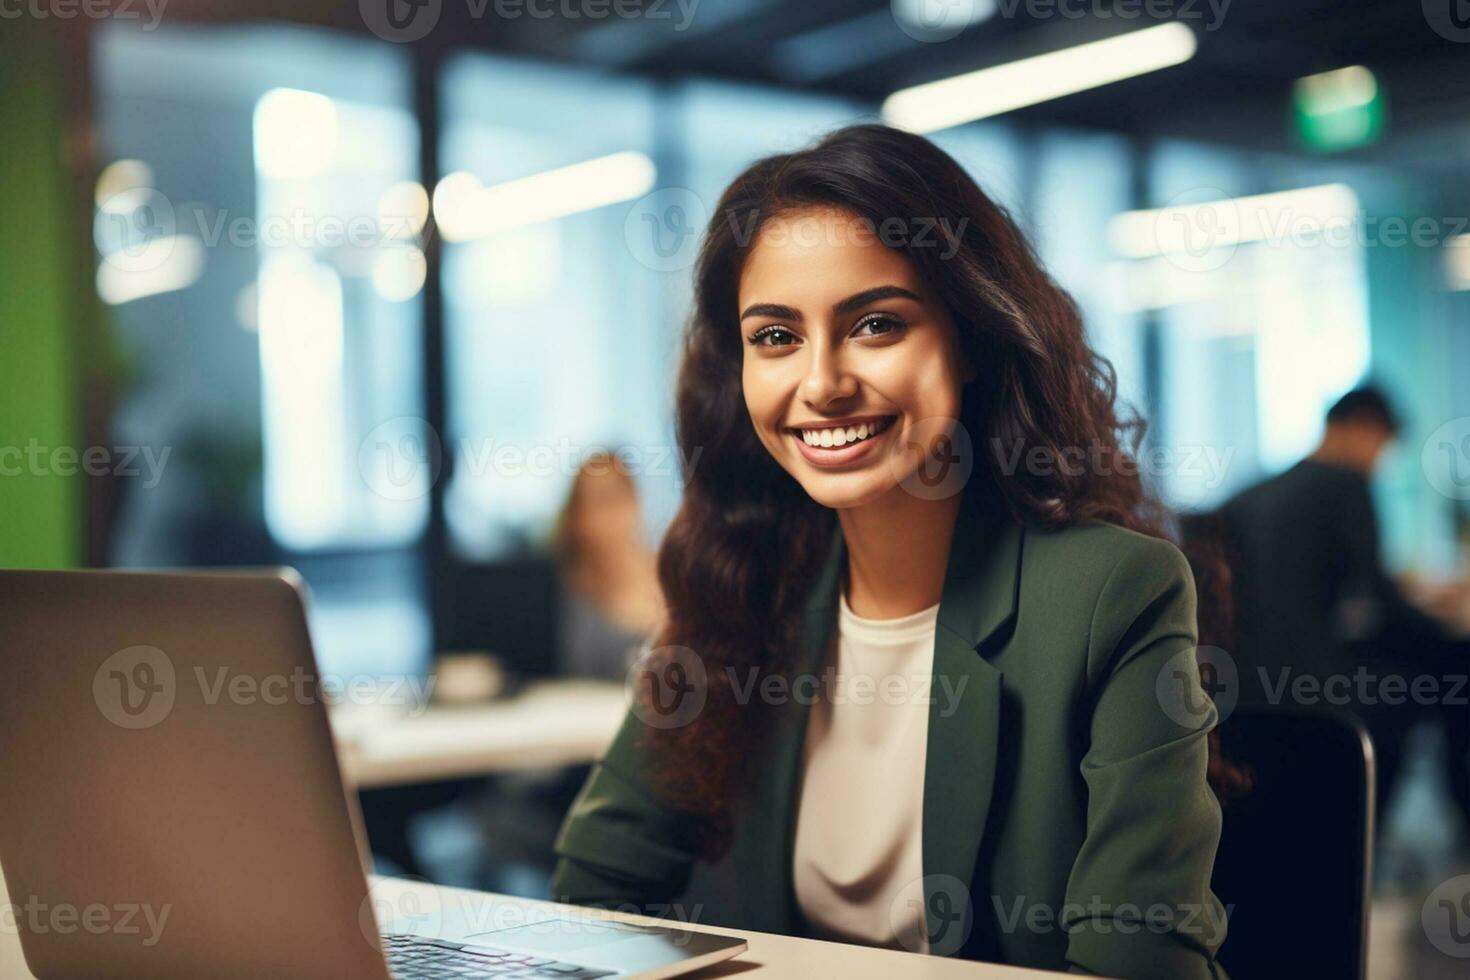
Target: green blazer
1067,823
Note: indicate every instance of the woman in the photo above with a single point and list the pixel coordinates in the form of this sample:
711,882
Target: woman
910,468
610,595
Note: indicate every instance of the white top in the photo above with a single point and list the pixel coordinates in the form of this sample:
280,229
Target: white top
858,864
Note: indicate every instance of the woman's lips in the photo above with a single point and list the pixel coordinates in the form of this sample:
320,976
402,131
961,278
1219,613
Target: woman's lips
837,456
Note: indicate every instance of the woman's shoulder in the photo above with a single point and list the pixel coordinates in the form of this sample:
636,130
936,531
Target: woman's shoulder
1101,546
1093,556
1118,582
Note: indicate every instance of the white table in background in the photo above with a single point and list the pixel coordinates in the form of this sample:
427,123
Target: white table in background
548,724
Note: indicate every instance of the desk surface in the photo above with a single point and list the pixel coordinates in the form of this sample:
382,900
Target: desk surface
768,955
552,723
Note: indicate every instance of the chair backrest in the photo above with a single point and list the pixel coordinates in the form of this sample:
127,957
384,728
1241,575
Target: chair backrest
1294,868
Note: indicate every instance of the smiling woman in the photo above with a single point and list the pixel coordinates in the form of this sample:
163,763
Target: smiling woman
838,352
860,395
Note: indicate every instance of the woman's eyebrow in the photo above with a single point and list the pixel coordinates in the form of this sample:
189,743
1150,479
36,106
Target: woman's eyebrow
853,302
771,310
859,300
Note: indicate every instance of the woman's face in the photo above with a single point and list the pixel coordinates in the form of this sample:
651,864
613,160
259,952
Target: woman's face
852,369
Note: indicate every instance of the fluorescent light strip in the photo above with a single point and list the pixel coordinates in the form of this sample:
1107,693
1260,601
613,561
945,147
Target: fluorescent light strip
467,214
1231,221
1002,88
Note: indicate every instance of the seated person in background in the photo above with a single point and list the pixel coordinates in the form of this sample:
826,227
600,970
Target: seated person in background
1312,595
610,601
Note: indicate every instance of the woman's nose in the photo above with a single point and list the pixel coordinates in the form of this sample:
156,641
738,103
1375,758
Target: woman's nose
826,380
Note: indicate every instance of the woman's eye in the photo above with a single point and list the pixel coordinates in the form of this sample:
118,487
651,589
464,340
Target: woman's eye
773,336
875,326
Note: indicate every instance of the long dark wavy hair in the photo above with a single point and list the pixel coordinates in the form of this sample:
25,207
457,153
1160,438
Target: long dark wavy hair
743,551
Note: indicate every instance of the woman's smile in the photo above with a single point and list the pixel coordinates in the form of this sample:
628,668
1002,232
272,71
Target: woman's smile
840,442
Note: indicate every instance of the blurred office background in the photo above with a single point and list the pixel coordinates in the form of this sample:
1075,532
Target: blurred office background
369,291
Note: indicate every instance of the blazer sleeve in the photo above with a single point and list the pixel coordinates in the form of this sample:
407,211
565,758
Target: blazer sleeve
1138,897
619,846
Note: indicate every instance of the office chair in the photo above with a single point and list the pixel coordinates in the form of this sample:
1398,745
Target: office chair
1294,867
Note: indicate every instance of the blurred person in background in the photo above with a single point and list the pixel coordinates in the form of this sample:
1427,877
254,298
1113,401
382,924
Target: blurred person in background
608,605
873,343
610,600
1313,597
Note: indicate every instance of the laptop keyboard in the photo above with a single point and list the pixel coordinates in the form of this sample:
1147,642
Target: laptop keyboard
412,958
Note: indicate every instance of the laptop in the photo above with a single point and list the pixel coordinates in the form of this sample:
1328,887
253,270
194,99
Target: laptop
171,805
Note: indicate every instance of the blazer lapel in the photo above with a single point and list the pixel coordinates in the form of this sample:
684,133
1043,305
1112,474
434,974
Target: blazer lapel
979,598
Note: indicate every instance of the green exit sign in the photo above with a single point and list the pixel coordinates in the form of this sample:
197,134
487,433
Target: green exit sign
1338,110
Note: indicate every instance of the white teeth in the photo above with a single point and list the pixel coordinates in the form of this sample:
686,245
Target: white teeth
831,438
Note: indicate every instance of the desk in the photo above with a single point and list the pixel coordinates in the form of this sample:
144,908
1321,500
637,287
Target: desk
768,955
549,724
